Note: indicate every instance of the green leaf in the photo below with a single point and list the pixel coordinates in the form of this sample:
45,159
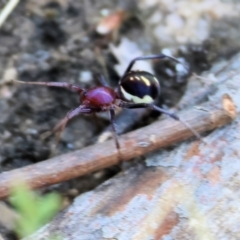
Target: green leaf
34,210
49,207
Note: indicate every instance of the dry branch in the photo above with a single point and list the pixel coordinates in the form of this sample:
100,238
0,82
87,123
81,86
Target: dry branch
158,135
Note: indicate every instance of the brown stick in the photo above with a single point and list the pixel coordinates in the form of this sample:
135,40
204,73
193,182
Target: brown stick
157,135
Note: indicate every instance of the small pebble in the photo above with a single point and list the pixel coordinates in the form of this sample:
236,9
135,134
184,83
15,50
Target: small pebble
10,73
85,76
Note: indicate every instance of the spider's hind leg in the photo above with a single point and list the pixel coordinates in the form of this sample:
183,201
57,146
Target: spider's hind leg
161,110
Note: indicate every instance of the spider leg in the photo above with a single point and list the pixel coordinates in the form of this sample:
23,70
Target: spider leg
161,110
159,56
69,86
112,119
102,80
62,124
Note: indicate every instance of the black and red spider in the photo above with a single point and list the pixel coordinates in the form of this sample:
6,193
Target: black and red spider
136,89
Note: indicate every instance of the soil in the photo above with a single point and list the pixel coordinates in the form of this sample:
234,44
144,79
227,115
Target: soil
56,41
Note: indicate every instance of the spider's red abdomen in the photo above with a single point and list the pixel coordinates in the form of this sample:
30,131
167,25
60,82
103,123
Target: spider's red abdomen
99,97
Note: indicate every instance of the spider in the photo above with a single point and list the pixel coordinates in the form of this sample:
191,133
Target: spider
136,89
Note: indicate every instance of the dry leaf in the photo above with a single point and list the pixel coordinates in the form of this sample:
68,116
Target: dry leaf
111,23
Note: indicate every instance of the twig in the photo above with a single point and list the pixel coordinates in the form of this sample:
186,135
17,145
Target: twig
9,7
133,144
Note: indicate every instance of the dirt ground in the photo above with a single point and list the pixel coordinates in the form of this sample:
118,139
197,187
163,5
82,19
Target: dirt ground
58,41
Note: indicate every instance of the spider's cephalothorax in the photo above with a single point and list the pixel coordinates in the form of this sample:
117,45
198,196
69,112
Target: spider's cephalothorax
139,87
98,97
136,89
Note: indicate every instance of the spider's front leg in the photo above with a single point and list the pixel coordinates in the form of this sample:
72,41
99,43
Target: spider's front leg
66,85
102,80
112,119
62,124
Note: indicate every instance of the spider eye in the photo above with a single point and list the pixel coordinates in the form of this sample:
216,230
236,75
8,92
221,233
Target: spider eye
139,87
